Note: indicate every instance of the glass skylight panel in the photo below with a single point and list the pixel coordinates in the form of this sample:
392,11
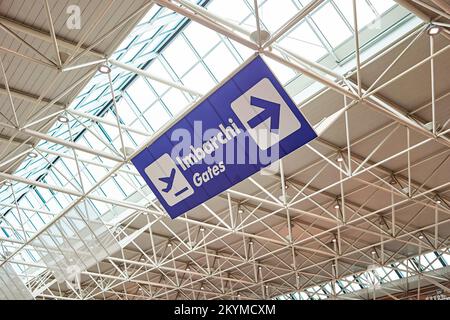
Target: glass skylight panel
126,112
365,13
110,188
304,42
61,167
304,2
381,6
146,32
243,51
392,274
142,125
96,172
157,68
180,63
201,38
128,140
101,207
274,13
249,24
234,10
150,15
140,93
45,193
109,132
51,179
283,73
433,260
199,79
328,288
221,62
304,296
331,25
352,285
175,100
52,205
130,54
157,116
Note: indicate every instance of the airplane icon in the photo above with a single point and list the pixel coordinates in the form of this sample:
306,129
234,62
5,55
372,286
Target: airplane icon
168,180
169,183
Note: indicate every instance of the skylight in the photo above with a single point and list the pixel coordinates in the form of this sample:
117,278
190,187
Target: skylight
375,277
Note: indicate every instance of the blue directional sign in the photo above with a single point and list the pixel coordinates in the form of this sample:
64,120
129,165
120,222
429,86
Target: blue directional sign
245,125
